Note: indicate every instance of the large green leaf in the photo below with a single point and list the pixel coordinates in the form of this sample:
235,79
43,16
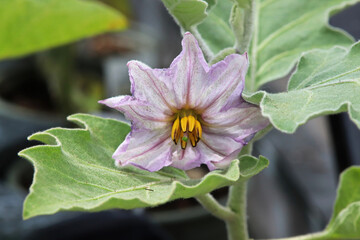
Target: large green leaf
187,12
326,81
32,25
284,29
75,171
215,29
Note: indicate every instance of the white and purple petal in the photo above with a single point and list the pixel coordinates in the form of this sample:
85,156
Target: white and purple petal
186,159
149,150
147,87
187,73
237,122
142,114
223,80
217,148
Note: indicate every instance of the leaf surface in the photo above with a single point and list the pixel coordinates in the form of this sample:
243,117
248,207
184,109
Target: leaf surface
75,171
28,26
284,29
187,12
325,82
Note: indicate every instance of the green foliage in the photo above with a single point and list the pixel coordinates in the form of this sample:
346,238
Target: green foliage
28,26
345,221
326,81
284,29
187,12
215,29
75,171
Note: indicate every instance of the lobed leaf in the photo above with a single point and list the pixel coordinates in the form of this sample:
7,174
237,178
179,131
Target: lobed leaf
28,26
325,82
284,29
75,171
215,29
187,12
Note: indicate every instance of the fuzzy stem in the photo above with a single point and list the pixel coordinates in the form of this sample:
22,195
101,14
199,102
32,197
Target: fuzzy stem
215,208
237,228
312,236
248,27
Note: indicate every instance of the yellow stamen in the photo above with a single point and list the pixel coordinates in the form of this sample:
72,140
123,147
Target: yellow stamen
191,121
175,130
192,138
186,127
184,121
198,129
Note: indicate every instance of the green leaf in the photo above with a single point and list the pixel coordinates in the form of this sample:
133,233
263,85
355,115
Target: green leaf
345,221
28,26
325,82
284,29
75,171
346,216
346,225
187,12
215,29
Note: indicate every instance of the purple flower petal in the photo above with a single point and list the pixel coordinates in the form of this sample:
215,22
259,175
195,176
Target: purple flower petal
149,150
237,122
218,148
142,114
187,73
147,87
186,159
224,78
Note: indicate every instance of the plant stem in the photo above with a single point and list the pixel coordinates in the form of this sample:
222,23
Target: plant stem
248,27
253,63
237,228
215,208
312,236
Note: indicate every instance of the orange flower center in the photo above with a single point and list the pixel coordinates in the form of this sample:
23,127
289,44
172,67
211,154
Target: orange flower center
186,127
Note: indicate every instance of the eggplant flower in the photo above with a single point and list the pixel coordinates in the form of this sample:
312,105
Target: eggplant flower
188,114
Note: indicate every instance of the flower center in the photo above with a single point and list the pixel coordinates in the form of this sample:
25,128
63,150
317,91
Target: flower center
186,127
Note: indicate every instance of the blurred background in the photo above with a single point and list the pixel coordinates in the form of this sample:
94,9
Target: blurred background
293,196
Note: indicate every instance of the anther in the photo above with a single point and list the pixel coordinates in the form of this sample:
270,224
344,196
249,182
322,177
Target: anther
192,139
175,130
191,121
198,129
184,121
186,127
